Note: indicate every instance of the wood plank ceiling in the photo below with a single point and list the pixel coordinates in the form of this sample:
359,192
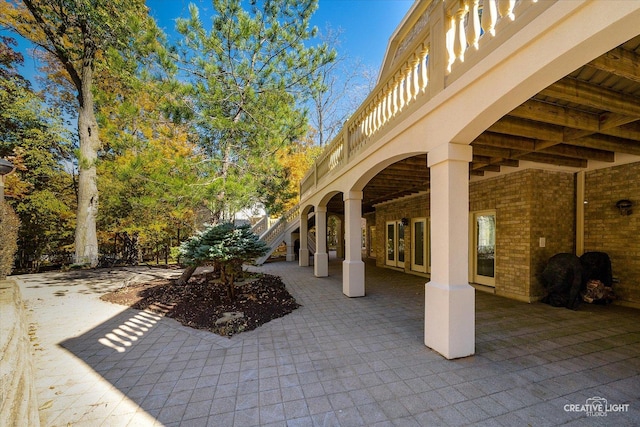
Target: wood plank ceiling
593,114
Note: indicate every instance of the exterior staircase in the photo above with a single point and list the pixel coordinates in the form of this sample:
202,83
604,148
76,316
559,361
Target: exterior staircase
273,234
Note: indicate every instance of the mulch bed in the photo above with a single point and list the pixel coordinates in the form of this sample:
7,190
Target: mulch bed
203,301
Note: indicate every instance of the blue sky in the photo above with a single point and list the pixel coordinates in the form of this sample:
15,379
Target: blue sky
366,24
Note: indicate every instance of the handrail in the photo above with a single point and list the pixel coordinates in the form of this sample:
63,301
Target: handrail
261,226
429,51
274,231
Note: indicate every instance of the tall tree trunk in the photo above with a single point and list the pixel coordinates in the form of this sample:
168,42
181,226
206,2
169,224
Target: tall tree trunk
86,240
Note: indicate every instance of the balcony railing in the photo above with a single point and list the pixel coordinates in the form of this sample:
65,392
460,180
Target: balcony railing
444,35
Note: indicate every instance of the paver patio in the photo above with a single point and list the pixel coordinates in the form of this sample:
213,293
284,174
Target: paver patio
333,362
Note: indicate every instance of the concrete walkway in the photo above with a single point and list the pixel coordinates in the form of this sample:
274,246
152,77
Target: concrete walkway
333,362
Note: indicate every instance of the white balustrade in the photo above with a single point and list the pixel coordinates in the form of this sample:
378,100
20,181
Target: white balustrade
466,22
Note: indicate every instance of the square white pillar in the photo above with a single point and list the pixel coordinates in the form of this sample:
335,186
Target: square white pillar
288,241
321,257
303,257
353,266
449,299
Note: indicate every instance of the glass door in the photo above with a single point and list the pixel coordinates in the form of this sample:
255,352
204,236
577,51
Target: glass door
391,243
420,250
394,236
484,248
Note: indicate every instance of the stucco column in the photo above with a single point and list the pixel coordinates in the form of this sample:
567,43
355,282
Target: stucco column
321,257
340,237
288,240
449,299
352,266
303,259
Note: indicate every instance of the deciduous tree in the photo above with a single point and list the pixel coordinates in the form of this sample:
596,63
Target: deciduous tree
78,33
41,191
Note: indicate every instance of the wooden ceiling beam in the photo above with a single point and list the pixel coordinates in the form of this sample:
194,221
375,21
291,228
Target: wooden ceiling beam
528,129
511,142
629,131
612,120
619,62
554,160
540,111
609,143
594,96
587,153
490,168
489,151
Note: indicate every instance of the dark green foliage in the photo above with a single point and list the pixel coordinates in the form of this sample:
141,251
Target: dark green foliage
9,225
226,246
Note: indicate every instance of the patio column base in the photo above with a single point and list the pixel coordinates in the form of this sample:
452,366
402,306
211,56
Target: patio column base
353,278
304,258
449,323
321,264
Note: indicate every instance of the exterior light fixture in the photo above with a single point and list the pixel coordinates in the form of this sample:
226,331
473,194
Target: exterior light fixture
624,206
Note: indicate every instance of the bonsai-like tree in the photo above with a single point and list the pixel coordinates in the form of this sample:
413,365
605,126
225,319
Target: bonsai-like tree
225,246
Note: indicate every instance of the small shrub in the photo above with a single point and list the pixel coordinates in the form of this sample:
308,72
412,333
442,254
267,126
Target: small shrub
9,225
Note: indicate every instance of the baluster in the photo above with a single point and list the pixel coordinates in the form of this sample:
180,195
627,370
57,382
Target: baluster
450,37
460,44
505,7
401,93
372,124
489,16
367,131
424,77
371,121
473,25
385,103
407,85
390,101
376,117
395,96
416,83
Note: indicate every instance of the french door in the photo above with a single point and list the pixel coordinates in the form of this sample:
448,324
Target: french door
484,247
394,248
420,251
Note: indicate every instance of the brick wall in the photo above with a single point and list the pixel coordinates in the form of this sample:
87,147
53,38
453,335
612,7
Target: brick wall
608,231
534,204
529,204
553,218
